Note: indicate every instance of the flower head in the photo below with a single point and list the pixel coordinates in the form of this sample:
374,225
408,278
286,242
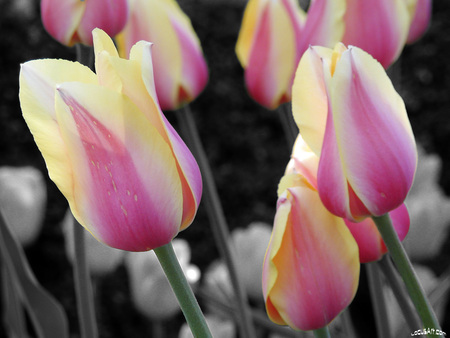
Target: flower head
127,175
180,69
351,116
72,21
311,268
273,37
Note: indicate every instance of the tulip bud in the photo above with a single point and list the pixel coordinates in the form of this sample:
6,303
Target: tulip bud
352,118
311,268
23,198
101,134
420,12
380,27
273,37
180,69
72,21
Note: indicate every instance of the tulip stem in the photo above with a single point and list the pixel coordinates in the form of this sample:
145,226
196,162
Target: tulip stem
217,218
183,292
83,286
322,332
406,271
378,300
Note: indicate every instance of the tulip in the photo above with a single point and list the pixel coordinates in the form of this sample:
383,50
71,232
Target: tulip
352,118
23,198
371,245
380,27
72,21
127,175
179,66
311,268
150,290
273,37
420,12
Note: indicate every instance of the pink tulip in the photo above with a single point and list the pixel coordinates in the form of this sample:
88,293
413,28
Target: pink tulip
180,69
380,27
72,21
420,19
311,268
273,37
128,177
351,116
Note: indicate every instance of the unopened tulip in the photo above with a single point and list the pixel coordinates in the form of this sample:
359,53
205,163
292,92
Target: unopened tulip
273,37
371,245
380,27
352,118
23,198
128,177
72,21
311,268
420,12
150,290
180,69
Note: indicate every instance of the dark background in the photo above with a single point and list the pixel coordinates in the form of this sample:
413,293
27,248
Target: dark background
244,143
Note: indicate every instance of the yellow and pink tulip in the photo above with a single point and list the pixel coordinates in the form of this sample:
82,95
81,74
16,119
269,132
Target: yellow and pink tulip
380,27
311,267
72,21
127,175
350,115
420,12
180,68
273,37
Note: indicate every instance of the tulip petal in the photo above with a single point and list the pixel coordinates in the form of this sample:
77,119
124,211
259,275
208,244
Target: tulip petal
380,27
379,164
62,18
143,94
371,245
273,44
309,97
311,268
114,15
112,154
324,24
421,15
38,80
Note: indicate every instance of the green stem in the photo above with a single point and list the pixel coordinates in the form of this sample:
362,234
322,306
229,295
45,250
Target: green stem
378,301
83,287
183,292
406,271
398,289
322,332
217,218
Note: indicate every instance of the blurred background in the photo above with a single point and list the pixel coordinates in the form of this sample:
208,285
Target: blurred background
246,148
